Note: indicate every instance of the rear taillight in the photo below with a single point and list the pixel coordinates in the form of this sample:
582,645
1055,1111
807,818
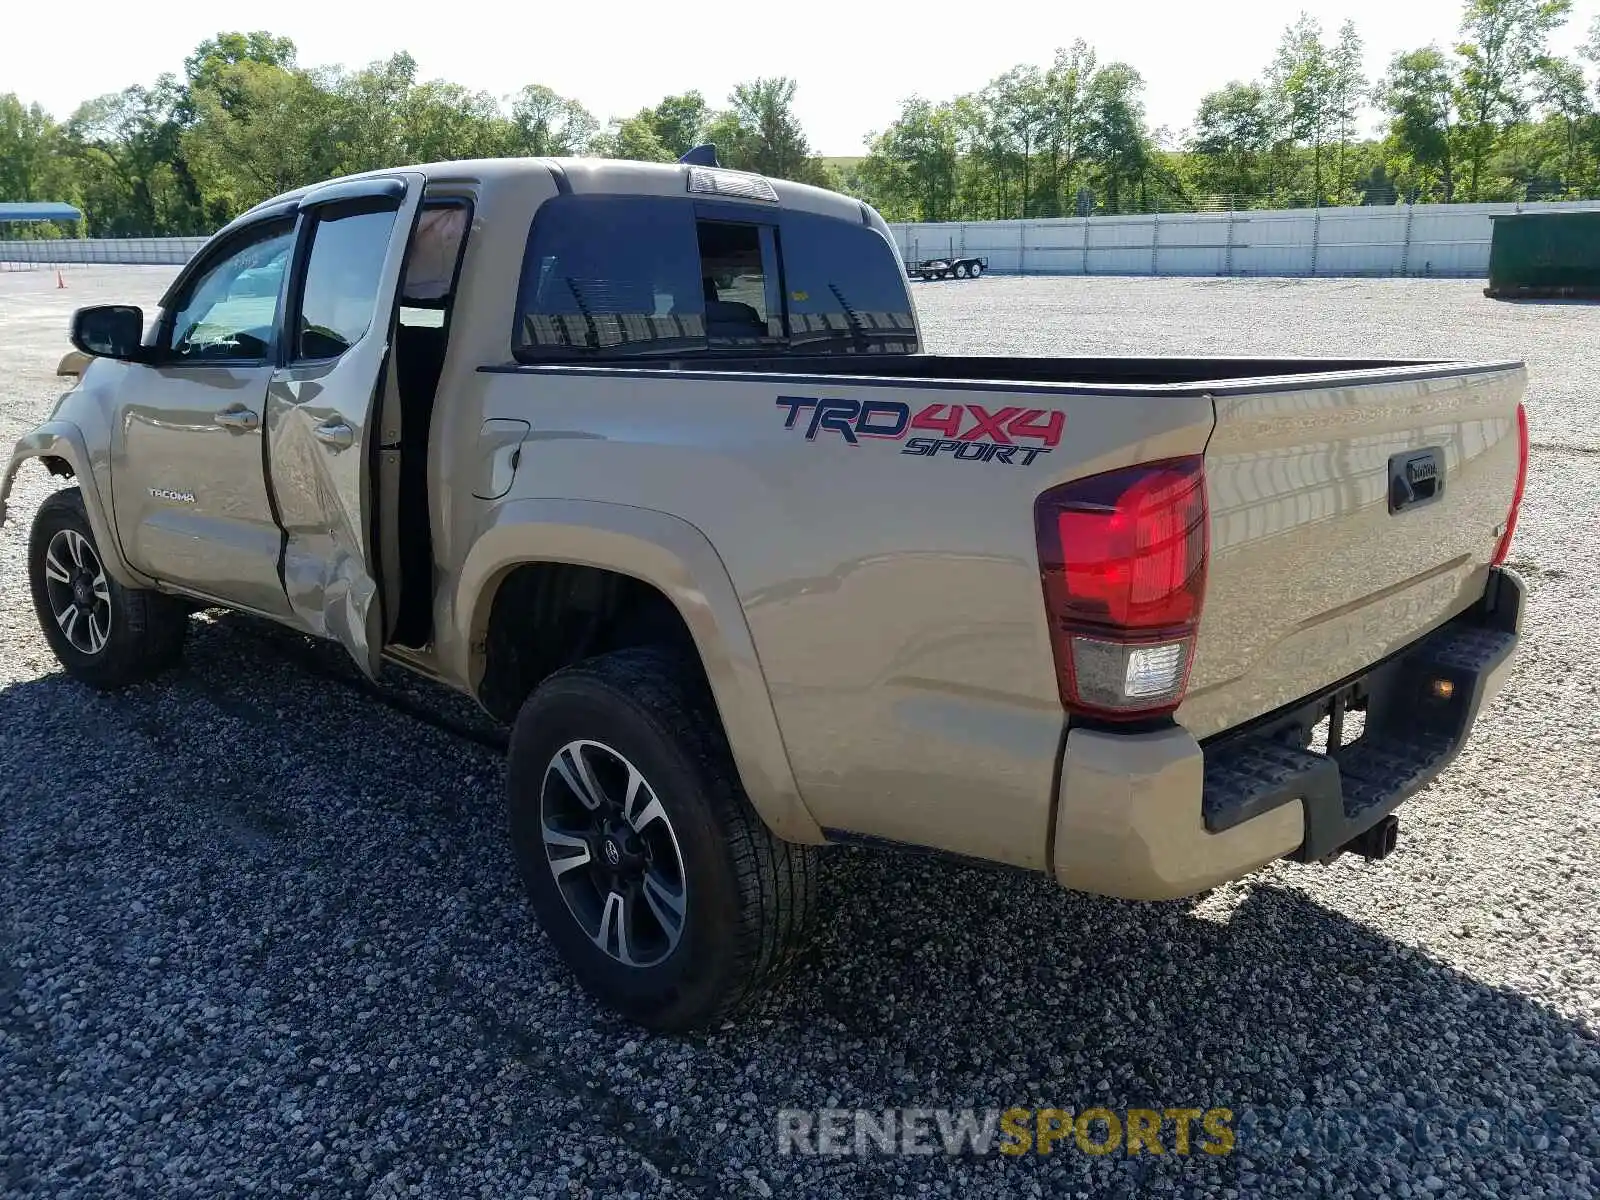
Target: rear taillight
1123,559
1503,550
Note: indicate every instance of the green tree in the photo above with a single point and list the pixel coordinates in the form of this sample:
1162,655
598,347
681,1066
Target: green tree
664,133
912,168
1347,92
131,172
204,68
263,129
32,162
633,138
1018,102
1418,96
1066,86
679,122
360,114
1563,92
439,121
988,180
1591,48
1503,43
1232,136
1115,137
759,132
1302,79
549,125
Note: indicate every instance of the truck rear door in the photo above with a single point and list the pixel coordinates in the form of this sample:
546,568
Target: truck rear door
1350,514
323,444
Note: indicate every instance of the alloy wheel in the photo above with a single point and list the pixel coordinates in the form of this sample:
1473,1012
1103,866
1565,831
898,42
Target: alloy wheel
614,853
80,595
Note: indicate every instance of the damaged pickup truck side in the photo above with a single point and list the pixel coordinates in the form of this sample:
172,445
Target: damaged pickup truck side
650,461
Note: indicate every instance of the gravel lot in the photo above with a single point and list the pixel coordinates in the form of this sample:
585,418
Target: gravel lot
237,958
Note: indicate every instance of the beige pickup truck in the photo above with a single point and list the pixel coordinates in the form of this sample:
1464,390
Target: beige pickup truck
650,460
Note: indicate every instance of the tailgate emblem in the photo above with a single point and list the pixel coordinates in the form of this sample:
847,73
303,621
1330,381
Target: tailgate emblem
1415,478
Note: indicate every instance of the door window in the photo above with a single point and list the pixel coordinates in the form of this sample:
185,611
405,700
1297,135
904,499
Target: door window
228,312
348,245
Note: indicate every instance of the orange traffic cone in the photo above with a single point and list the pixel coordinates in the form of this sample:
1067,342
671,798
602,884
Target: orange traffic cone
60,282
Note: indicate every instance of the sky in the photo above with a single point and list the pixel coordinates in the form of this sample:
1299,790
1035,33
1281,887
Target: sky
855,63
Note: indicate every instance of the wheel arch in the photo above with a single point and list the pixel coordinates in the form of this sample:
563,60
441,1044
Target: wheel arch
673,557
61,446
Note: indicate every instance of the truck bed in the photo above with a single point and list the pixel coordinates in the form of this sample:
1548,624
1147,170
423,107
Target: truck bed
1130,371
891,580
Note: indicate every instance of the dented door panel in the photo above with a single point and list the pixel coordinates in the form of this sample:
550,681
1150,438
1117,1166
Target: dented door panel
324,447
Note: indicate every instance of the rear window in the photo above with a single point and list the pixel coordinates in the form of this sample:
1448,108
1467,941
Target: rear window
845,293
618,276
611,273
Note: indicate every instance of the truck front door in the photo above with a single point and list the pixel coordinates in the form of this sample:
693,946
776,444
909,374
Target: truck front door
323,444
187,485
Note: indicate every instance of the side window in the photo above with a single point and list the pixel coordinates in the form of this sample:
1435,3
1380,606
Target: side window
611,275
846,294
227,313
607,276
348,245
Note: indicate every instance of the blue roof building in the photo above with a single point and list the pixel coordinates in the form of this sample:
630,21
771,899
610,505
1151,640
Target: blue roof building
37,210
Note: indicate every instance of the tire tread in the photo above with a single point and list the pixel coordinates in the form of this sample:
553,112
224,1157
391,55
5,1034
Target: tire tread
152,624
777,880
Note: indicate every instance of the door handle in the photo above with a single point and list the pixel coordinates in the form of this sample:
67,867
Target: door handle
335,434
238,418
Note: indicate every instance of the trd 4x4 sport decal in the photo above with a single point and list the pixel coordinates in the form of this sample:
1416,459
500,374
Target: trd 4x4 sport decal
968,432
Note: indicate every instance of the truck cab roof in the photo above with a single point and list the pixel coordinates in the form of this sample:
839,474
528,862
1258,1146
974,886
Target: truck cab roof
598,176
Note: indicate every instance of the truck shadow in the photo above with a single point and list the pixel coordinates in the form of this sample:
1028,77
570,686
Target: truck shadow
1106,1001
243,794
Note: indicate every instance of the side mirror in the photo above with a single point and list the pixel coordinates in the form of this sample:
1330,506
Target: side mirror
109,331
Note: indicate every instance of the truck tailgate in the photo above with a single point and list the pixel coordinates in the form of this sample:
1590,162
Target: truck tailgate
1350,514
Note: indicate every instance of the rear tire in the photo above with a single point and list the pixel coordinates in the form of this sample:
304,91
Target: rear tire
649,870
103,634
975,269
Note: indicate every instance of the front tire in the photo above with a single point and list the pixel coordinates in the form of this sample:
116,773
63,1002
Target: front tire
103,634
649,870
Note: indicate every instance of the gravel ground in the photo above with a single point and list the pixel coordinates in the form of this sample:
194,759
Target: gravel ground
236,958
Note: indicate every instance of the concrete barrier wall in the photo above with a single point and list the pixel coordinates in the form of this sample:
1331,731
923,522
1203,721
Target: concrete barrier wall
1422,239
72,251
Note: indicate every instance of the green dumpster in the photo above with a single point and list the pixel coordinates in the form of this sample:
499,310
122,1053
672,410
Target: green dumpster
1547,254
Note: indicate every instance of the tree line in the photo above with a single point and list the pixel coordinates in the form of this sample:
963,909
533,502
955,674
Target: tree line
246,121
1494,116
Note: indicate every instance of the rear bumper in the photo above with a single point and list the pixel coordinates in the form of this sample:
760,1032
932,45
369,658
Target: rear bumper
1151,816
